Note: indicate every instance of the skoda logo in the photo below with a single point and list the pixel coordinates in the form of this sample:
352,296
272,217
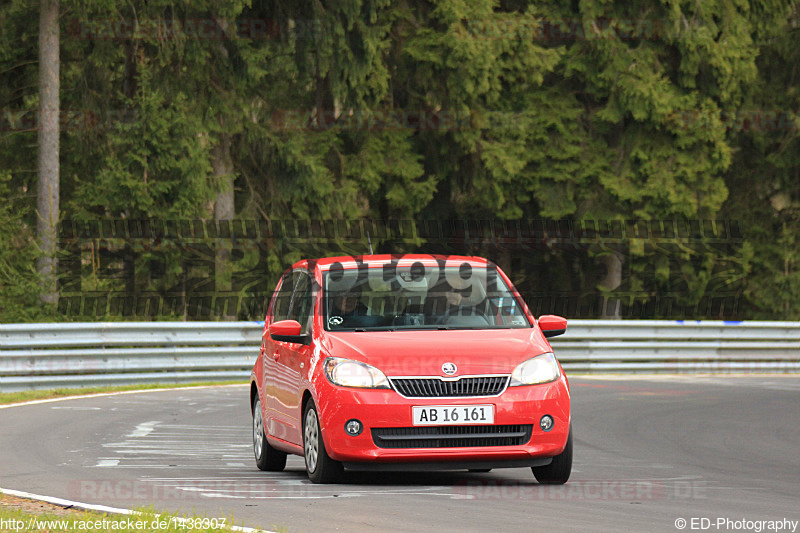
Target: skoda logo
449,368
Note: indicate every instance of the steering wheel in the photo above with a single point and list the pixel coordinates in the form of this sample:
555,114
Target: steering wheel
459,312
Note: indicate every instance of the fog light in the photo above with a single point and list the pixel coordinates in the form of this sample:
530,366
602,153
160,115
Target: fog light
546,423
353,427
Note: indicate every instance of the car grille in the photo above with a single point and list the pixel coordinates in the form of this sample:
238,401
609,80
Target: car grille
451,436
437,387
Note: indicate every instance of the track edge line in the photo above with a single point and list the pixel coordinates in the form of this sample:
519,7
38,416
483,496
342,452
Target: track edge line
116,393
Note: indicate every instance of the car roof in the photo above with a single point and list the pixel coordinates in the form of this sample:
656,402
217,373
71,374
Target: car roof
353,261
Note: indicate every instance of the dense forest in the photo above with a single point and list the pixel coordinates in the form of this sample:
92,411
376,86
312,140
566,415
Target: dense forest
617,159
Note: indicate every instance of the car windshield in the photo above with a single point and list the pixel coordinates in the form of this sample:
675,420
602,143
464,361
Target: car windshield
418,297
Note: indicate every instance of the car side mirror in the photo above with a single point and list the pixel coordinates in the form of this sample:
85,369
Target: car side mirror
287,331
552,325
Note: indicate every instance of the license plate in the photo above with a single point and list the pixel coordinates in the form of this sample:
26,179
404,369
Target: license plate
447,415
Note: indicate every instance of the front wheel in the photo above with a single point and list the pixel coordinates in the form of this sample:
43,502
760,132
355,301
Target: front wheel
557,472
267,457
319,466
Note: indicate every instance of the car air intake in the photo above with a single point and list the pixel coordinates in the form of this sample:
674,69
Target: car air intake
438,388
452,436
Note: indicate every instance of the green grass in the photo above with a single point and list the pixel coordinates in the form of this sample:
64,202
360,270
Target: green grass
17,520
26,396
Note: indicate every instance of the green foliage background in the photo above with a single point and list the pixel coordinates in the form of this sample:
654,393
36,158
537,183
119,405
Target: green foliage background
590,110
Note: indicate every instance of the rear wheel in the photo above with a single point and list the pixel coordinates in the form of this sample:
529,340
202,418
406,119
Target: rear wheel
320,467
267,457
557,472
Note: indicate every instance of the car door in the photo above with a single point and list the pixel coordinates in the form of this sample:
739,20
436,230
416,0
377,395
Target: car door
271,352
290,360
294,358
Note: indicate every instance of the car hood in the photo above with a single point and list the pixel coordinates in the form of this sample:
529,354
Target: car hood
422,353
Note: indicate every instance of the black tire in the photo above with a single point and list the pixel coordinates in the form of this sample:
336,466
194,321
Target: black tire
267,457
557,472
319,466
480,470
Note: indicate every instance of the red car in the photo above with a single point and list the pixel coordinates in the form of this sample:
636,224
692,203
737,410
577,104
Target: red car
408,362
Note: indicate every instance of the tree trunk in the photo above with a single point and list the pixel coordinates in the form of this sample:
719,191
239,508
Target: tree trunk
48,132
612,265
222,165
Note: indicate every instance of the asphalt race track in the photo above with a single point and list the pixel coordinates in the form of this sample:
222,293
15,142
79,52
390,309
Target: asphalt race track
648,451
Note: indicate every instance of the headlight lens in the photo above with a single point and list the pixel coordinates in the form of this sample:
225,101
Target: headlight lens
349,373
540,369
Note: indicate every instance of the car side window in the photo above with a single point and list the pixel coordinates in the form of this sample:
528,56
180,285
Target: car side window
283,299
303,302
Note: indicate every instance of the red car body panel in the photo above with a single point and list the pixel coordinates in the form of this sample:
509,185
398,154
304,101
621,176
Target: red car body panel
285,373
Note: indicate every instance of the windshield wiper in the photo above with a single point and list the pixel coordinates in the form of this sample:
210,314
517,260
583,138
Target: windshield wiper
419,327
429,327
399,328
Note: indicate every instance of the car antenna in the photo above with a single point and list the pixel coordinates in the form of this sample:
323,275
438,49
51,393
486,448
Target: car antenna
370,243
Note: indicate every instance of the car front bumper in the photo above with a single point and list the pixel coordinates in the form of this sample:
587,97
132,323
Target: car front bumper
383,408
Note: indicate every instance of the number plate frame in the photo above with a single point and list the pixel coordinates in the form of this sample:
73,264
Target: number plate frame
443,415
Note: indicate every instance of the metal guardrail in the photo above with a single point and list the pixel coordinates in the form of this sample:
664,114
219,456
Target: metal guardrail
679,346
38,356
43,356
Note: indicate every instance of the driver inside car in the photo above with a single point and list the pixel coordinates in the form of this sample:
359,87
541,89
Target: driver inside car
347,310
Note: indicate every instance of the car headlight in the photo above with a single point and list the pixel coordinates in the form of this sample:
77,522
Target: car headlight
349,373
540,369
